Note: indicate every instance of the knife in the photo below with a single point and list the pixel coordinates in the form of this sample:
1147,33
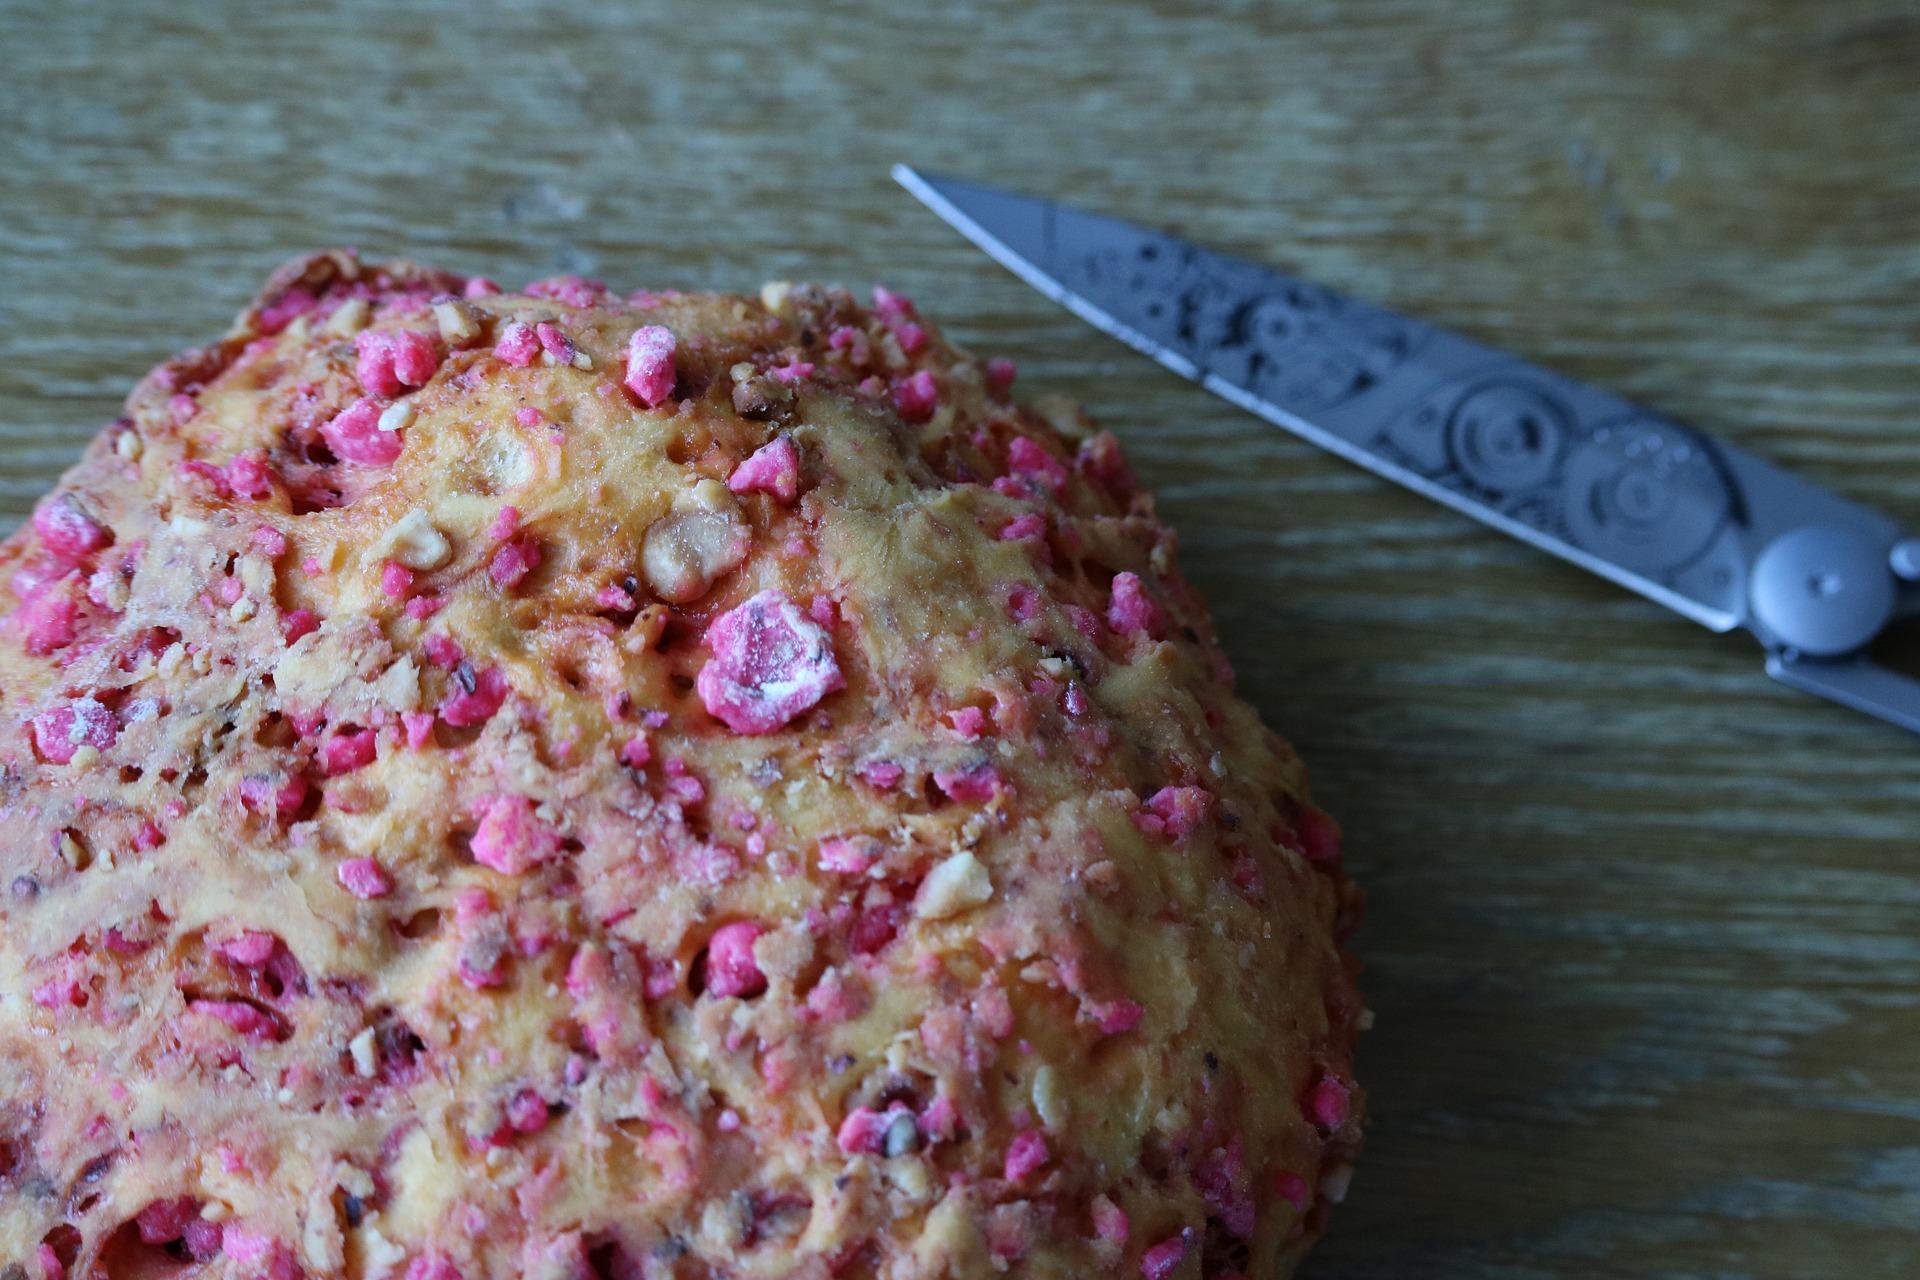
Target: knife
1704,527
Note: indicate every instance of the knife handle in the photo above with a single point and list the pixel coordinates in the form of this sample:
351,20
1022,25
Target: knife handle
1858,682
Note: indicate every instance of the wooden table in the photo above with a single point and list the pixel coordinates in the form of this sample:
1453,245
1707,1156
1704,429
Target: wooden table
1645,929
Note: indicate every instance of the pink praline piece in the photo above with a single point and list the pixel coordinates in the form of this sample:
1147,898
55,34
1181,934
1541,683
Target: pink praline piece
512,838
344,752
364,878
1164,1258
1026,1155
731,968
650,364
355,436
518,345
770,663
774,468
917,397
1130,610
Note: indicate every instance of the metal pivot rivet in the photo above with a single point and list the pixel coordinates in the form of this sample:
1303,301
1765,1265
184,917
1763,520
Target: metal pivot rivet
1822,590
1904,559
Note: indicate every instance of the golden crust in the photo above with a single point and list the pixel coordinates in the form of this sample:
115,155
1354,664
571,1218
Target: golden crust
869,872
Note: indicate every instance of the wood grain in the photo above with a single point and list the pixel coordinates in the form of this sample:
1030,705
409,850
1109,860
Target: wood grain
1645,931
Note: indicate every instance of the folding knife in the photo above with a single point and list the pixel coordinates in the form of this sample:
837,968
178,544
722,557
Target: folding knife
1699,525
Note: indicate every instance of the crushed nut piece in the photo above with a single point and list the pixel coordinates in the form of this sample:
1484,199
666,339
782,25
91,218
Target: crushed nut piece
956,885
350,317
459,321
414,541
1050,1098
365,1060
396,415
684,554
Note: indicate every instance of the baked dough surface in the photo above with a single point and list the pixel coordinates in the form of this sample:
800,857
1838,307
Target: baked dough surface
562,785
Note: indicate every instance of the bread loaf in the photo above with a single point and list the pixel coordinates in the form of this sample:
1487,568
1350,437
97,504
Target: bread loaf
566,785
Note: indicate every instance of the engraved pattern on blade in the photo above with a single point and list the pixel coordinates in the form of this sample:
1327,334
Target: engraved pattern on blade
1642,493
1295,345
1507,438
1647,494
1584,470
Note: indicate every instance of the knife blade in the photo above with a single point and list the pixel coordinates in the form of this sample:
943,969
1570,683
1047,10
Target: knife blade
1708,529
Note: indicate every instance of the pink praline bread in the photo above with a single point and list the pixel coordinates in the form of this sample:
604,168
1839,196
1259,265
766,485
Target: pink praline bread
566,785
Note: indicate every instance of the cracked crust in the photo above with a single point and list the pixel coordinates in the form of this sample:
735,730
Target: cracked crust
669,786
